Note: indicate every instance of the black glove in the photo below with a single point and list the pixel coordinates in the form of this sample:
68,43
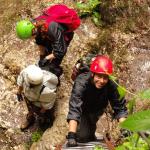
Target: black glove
19,97
43,62
71,139
125,133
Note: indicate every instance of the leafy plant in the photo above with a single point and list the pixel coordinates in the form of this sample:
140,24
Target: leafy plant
91,8
97,147
36,136
138,122
134,142
121,89
144,94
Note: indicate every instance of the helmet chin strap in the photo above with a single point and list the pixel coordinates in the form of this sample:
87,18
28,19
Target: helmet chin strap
92,78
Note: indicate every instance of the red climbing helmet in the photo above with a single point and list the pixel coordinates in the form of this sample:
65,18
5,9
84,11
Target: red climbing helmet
102,64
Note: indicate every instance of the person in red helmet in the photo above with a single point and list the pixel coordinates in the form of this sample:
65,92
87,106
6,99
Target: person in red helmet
90,96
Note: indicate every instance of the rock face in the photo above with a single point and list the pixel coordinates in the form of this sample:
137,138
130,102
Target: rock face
17,55
130,53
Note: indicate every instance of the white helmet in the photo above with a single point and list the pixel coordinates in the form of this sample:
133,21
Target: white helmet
34,75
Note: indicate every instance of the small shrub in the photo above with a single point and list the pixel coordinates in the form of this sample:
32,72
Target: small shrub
91,8
97,147
36,136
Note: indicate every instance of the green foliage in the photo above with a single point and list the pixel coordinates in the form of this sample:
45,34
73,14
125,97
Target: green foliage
145,95
97,147
131,105
139,121
96,18
91,8
36,136
111,77
133,142
121,89
88,8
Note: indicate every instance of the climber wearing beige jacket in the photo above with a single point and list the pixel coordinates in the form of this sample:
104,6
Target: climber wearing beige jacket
38,88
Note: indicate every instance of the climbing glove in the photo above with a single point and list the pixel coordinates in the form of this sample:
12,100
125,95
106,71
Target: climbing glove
19,97
125,133
71,139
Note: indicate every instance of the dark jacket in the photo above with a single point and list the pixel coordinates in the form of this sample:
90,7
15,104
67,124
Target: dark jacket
86,98
56,41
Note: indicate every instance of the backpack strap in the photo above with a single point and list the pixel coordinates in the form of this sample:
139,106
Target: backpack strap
42,89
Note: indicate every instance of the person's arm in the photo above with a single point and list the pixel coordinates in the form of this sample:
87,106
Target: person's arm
41,50
75,110
73,126
72,139
118,105
50,57
55,32
20,81
122,119
76,99
43,59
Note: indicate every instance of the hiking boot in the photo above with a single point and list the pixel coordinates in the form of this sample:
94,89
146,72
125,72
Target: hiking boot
35,126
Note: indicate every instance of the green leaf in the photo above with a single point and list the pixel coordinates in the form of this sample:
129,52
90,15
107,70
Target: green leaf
113,78
145,94
122,91
133,142
96,21
94,2
97,147
120,148
82,7
139,121
96,14
88,8
131,105
36,136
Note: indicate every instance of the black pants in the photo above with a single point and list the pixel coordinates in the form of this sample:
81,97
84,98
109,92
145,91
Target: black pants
45,119
87,127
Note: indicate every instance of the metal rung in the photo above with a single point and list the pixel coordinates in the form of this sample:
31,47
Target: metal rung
86,146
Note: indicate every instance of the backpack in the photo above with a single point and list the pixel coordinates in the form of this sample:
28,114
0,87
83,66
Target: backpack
48,91
82,65
61,14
